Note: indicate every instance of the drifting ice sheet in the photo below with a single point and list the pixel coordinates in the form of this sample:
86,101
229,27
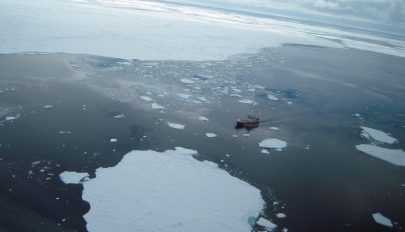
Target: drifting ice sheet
378,135
380,219
394,156
169,191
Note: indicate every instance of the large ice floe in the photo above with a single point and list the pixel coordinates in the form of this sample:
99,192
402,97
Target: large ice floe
393,156
168,191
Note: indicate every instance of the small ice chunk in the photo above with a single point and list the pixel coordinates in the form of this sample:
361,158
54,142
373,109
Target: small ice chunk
113,140
186,81
393,156
9,118
234,136
377,135
119,116
146,98
156,106
73,177
48,106
274,128
211,135
380,219
273,144
246,101
266,223
281,215
272,97
176,126
202,118
265,151
357,115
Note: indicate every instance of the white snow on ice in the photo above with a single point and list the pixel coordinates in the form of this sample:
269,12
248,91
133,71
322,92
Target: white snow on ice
273,144
380,219
210,135
393,156
73,177
378,135
169,191
176,126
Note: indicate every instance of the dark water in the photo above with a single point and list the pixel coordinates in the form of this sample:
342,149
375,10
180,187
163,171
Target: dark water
329,187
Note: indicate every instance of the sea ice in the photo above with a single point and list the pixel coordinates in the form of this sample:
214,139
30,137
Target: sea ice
176,126
210,135
202,118
246,101
281,215
113,140
169,191
378,135
73,177
266,223
156,106
393,156
119,116
265,151
9,118
380,219
183,95
273,144
272,97
274,128
146,98
186,81
48,106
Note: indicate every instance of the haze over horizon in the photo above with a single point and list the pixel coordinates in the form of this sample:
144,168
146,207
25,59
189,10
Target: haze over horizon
382,15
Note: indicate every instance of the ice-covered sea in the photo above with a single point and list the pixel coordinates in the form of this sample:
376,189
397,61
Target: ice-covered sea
150,30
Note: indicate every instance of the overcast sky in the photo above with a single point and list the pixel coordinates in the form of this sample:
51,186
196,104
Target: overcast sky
380,11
